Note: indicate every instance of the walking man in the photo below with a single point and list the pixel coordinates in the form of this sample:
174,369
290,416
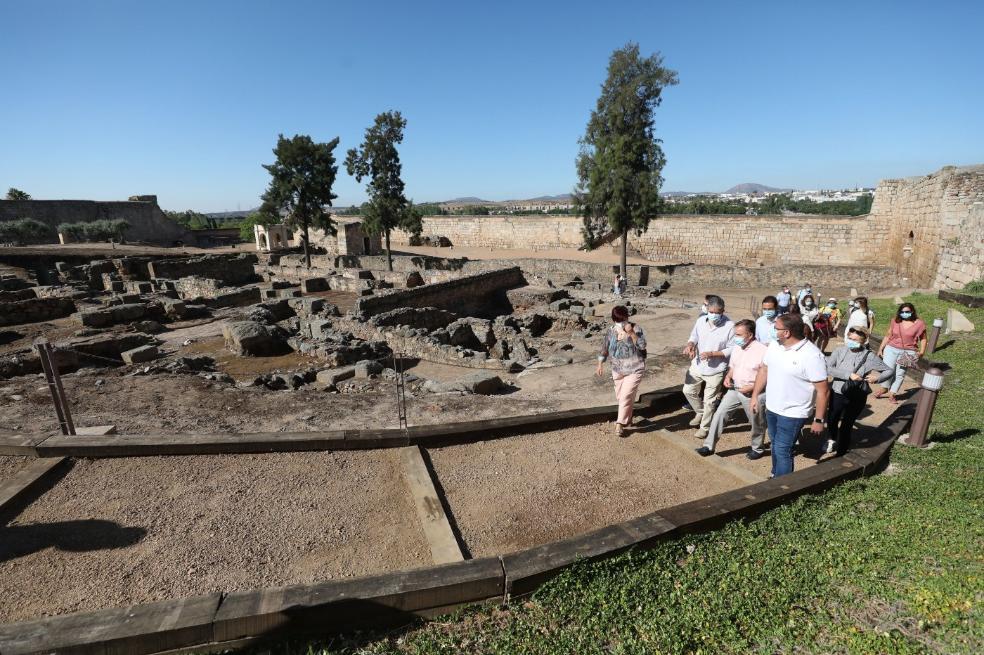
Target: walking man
709,340
784,298
743,365
765,325
795,371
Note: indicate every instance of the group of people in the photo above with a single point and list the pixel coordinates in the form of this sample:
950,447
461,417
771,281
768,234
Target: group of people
775,369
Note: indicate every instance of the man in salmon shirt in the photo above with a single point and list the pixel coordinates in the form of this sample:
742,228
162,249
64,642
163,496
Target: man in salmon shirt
744,359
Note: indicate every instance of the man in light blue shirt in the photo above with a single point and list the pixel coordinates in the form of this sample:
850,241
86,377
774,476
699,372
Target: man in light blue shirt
765,325
708,349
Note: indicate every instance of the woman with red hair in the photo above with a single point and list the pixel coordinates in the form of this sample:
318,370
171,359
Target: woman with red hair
624,346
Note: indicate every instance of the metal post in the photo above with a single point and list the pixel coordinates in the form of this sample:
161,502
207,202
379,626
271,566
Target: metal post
932,382
53,378
401,393
934,336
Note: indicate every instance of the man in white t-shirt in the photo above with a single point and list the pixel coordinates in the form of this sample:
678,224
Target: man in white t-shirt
795,372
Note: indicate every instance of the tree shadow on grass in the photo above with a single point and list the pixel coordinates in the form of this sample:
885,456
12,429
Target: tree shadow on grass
72,536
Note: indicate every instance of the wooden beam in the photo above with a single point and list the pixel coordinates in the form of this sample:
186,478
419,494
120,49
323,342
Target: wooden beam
25,479
681,443
444,547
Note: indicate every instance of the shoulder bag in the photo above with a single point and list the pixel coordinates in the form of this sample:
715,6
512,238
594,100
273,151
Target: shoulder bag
857,388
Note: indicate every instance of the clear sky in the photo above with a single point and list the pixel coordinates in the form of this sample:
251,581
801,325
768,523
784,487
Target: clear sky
105,99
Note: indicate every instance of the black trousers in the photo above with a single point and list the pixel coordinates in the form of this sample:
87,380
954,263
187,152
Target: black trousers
841,415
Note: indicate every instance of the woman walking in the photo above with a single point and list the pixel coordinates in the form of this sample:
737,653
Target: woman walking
854,369
624,346
827,323
861,316
901,348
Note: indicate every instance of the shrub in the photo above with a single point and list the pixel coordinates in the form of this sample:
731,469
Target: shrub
975,288
101,230
23,230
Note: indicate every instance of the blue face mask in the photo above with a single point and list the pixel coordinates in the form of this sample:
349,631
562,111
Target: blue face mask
739,341
716,319
769,313
854,345
905,315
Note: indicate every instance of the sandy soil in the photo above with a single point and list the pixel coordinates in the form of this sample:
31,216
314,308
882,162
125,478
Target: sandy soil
121,531
11,466
515,493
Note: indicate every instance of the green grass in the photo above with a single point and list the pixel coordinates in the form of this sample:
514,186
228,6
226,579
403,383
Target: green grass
887,564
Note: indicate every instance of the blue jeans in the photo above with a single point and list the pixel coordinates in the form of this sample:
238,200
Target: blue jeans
891,357
783,432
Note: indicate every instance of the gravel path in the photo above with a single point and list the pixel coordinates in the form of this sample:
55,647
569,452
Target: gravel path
514,493
10,466
121,531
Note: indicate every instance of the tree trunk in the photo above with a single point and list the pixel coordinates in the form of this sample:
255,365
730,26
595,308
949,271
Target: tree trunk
625,249
389,255
307,253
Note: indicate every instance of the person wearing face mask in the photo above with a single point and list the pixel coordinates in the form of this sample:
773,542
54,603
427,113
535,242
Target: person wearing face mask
807,290
743,365
827,323
901,348
861,316
854,368
765,325
624,346
709,339
784,299
795,372
808,312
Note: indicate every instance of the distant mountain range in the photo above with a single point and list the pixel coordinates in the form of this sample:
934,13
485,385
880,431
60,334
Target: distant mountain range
752,187
747,187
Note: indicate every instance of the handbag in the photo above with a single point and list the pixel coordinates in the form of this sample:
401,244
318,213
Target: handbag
905,359
856,388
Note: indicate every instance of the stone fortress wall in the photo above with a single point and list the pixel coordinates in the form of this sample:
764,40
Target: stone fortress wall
148,223
944,212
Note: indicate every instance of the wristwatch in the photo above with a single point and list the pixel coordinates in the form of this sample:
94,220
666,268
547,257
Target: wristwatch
818,420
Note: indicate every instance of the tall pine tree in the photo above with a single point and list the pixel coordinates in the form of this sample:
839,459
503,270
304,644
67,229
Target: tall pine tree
378,160
620,163
300,186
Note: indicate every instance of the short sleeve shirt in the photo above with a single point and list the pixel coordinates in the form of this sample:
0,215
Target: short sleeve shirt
791,375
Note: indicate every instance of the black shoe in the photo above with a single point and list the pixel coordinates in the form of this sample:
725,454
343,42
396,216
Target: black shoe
754,454
704,451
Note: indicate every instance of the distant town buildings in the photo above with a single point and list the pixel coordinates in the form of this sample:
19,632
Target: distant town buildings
814,195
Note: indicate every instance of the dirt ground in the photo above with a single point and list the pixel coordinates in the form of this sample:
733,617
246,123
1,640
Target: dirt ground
10,466
115,532
514,493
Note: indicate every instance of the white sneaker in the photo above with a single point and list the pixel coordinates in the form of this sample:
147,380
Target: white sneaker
830,446
695,421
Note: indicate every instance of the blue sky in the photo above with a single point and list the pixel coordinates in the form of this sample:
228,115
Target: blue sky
185,99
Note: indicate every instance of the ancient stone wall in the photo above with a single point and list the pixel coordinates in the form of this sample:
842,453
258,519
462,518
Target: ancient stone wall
502,232
929,227
962,255
473,295
147,222
230,269
35,310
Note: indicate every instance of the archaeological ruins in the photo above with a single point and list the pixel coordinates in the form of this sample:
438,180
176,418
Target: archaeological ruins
259,446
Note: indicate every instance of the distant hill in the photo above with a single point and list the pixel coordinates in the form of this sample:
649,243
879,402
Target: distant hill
239,214
470,200
752,187
564,197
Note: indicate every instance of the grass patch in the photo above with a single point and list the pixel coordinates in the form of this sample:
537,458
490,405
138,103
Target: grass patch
887,564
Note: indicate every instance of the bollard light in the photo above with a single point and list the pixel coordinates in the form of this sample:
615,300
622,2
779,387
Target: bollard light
932,382
934,336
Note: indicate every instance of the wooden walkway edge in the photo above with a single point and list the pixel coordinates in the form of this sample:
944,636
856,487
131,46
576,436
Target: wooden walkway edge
434,522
